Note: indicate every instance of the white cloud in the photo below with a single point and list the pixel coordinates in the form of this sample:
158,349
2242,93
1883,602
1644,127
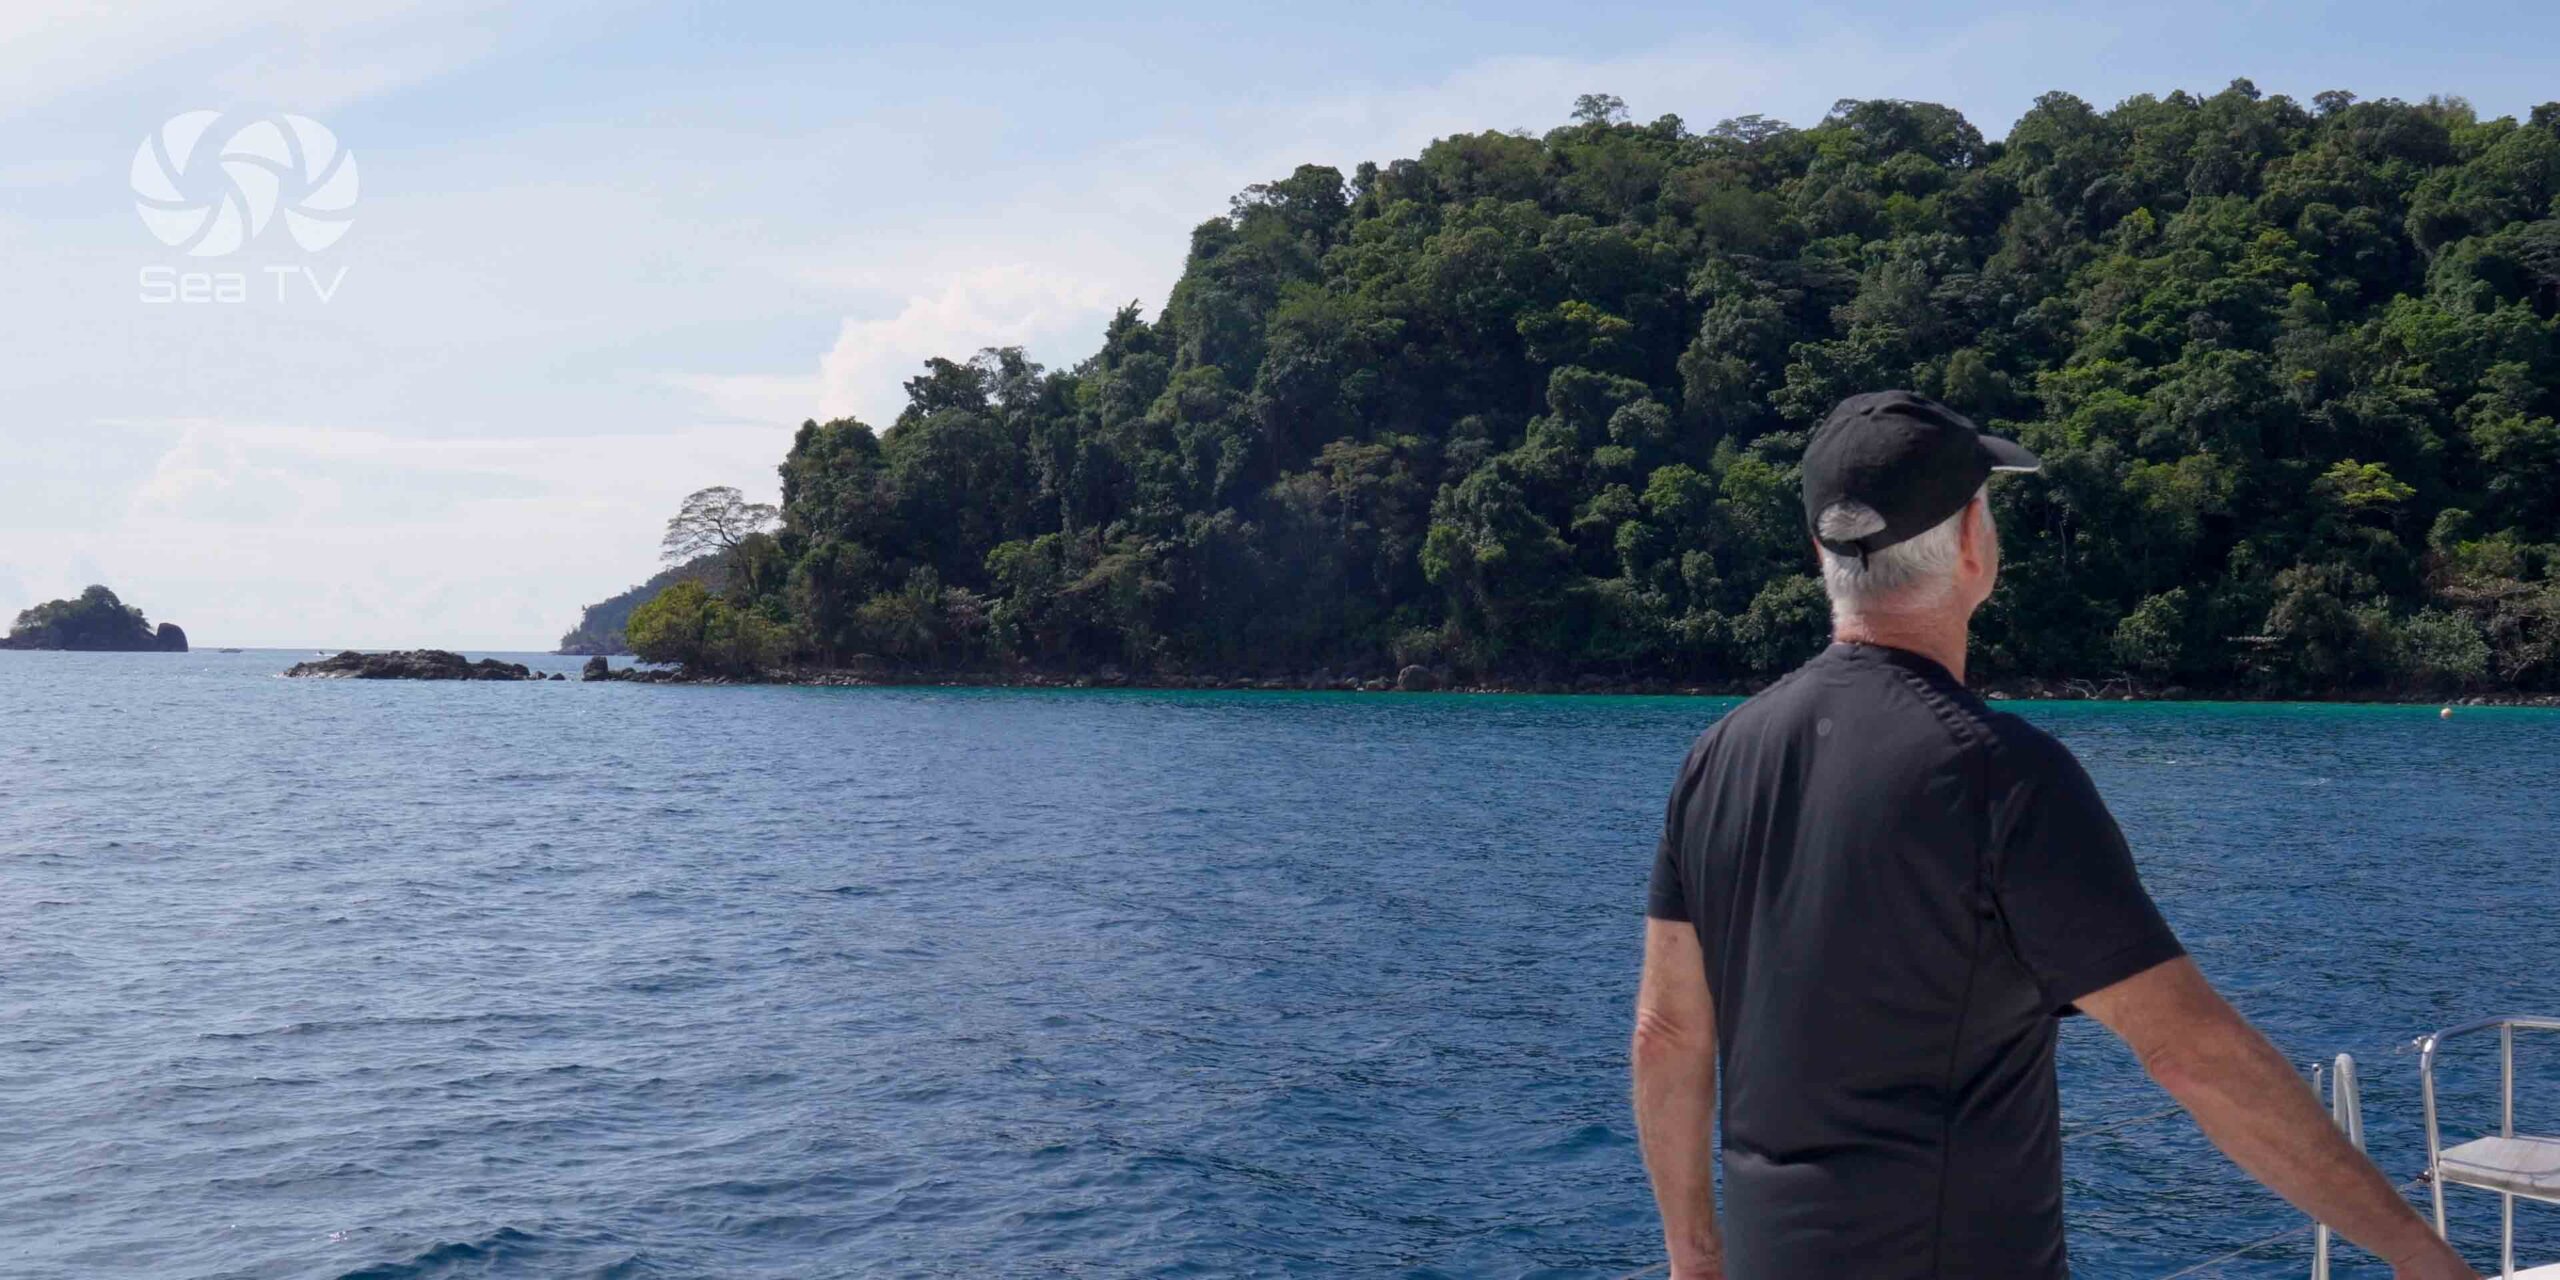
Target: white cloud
210,477
765,398
1006,304
263,534
319,76
1045,267
564,315
315,55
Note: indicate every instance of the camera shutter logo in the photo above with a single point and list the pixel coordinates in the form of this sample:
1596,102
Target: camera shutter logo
211,198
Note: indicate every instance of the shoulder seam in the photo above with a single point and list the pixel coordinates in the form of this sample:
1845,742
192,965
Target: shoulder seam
1961,723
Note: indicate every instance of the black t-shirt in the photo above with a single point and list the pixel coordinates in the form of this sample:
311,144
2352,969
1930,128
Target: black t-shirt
1898,890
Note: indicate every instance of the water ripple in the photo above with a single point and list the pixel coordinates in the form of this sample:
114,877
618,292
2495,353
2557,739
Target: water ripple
359,979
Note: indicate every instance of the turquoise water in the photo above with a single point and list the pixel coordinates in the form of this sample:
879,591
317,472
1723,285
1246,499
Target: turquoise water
400,980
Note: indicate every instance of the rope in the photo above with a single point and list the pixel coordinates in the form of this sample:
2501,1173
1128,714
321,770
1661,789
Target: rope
2163,1113
2146,1118
2263,1241
2251,1247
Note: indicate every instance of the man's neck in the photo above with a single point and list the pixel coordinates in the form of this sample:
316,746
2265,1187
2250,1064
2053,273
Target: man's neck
1940,640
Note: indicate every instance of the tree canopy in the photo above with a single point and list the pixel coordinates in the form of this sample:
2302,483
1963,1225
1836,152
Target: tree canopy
94,620
712,522
1532,407
600,627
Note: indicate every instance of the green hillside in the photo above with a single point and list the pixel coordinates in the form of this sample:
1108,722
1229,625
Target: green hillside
1530,408
599,629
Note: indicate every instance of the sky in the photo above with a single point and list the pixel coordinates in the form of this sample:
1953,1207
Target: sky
594,256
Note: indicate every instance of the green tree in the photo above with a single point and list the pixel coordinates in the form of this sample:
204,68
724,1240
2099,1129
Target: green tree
2153,638
95,619
712,521
688,626
1533,405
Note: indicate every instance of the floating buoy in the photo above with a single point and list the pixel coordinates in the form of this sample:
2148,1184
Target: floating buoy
2446,714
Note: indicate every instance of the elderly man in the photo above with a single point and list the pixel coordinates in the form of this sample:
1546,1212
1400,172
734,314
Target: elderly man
1874,898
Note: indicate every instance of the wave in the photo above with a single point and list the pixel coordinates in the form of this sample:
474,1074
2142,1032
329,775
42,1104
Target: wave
451,1257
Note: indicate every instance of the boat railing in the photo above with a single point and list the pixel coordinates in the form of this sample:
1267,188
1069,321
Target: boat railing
2336,1079
2508,1165
2339,1082
2346,1106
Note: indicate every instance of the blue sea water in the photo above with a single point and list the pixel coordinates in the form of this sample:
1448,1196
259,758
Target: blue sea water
357,979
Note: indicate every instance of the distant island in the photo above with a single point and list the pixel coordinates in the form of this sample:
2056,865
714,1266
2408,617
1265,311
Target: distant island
600,629
1526,411
96,621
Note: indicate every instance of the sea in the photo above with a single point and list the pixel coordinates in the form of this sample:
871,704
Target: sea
377,980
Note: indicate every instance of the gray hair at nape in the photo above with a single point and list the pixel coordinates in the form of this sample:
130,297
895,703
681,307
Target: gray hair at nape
1915,573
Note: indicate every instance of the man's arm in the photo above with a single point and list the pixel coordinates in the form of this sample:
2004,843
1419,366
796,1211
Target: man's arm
1675,1095
2255,1107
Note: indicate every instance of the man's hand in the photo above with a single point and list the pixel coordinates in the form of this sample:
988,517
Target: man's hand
2253,1105
1675,1088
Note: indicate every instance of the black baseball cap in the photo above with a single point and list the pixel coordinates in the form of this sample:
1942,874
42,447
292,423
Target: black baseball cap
1908,458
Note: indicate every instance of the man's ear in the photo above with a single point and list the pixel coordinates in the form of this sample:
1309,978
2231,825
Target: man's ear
1973,540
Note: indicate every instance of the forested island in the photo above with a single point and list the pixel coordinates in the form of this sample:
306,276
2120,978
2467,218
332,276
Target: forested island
1526,410
600,626
94,621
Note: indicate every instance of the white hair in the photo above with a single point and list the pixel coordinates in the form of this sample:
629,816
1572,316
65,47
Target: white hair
1915,573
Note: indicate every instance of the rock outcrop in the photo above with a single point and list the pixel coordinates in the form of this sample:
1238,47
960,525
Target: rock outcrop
410,664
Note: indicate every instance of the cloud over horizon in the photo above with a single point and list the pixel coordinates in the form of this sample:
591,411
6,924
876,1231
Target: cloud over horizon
609,253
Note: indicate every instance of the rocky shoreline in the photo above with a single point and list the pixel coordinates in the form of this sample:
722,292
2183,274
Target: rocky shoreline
1425,680
440,664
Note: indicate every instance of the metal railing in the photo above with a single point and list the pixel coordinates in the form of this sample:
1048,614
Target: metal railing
2346,1106
2339,1081
2427,1045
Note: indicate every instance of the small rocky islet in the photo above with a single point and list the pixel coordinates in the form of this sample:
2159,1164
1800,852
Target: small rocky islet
412,664
95,621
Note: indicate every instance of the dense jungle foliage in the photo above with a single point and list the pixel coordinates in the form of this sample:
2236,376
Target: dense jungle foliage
96,620
600,627
1530,408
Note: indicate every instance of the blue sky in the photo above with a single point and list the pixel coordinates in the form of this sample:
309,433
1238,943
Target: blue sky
607,253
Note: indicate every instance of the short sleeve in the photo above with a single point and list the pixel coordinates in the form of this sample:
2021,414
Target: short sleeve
1667,898
1664,899
2067,889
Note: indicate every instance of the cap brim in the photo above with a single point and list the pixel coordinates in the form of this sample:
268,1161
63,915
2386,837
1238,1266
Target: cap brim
2009,455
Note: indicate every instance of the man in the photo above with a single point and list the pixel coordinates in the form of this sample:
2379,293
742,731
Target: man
1873,898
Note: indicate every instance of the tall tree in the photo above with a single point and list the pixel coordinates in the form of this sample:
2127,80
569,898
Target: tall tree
713,521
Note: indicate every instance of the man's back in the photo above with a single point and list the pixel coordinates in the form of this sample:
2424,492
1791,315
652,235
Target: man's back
1896,889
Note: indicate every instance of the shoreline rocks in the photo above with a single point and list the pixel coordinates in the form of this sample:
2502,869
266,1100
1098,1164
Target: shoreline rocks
863,671
410,664
1424,679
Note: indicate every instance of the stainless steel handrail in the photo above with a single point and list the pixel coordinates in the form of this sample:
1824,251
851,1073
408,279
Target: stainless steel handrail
2346,1106
2427,1044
